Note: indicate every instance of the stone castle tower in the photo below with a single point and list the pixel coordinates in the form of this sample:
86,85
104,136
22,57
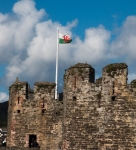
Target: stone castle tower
93,114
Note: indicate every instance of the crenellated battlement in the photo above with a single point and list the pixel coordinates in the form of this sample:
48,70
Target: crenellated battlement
81,70
117,72
114,67
91,115
44,86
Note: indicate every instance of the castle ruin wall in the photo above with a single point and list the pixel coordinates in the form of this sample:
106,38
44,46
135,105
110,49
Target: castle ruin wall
93,114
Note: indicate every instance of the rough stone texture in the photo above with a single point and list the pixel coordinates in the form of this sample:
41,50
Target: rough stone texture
37,116
16,148
92,115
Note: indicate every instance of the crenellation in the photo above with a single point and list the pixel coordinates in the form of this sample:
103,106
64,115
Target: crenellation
91,114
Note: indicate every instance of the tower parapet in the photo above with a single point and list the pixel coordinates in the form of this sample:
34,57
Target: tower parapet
116,71
78,75
84,70
18,92
114,77
78,100
47,87
33,111
44,93
133,83
19,88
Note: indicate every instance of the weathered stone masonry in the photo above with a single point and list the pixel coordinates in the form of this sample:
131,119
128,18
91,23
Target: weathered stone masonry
93,114
33,115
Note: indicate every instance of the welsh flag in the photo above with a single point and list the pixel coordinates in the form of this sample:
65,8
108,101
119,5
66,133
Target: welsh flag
64,39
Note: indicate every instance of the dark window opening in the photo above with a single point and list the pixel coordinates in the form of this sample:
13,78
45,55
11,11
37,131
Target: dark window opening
113,98
74,98
43,111
113,88
60,96
58,113
75,83
32,138
18,111
43,103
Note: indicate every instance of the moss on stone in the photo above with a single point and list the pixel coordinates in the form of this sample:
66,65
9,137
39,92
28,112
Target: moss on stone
111,69
133,83
81,65
98,81
45,85
42,86
72,71
18,86
81,70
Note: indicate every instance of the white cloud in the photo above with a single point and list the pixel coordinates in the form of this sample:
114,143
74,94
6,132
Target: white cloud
94,47
18,30
41,51
131,77
3,97
28,44
3,17
125,43
40,54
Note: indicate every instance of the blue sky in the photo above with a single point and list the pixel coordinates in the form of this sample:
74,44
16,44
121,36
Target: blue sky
103,32
89,12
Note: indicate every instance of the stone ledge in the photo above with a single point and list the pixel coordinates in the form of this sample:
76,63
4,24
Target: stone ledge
81,65
115,66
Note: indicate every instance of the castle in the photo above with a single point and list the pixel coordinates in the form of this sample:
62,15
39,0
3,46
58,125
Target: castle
93,114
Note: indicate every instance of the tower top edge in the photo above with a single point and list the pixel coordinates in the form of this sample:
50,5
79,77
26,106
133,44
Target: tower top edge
44,83
115,65
81,65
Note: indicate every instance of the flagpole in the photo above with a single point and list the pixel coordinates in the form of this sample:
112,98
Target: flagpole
57,54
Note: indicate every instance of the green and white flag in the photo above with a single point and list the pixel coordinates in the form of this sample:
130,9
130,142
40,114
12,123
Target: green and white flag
64,39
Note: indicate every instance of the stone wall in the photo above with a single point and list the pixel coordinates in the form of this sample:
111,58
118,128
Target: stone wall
15,148
102,114
117,104
93,114
80,103
34,117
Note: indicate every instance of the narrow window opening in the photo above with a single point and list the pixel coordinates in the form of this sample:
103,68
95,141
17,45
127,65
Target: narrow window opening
43,107
43,103
18,111
75,82
74,98
113,98
113,91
